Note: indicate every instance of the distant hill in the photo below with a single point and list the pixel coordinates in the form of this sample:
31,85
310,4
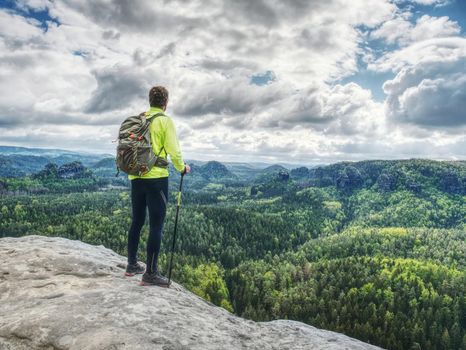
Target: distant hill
251,171
17,165
271,173
415,175
273,169
105,163
8,168
299,173
72,170
48,152
60,155
389,175
8,150
21,161
244,171
215,170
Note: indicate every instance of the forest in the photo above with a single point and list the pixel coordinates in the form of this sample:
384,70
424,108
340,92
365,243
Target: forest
373,249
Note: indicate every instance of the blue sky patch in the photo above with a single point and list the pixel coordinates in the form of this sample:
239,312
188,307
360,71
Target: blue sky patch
80,53
370,80
42,16
263,79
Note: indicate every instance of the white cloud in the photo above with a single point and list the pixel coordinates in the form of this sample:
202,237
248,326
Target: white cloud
429,89
433,50
338,110
400,30
428,27
15,28
431,2
392,30
431,94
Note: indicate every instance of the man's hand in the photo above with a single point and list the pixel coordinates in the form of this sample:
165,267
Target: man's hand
187,169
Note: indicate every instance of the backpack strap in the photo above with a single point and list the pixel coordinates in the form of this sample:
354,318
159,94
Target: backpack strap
162,149
150,119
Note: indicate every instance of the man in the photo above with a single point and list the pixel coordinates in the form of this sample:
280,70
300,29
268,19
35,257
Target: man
151,190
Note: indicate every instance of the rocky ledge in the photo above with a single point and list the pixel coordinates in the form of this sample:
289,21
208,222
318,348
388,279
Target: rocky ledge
61,294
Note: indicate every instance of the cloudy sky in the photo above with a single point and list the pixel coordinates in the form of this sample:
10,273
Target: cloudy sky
302,81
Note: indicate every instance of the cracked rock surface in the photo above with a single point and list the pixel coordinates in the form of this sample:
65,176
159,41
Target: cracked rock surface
57,293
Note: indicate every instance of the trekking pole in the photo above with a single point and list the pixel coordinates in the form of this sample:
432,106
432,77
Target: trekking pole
178,205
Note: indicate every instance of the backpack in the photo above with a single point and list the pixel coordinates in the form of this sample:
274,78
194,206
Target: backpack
135,155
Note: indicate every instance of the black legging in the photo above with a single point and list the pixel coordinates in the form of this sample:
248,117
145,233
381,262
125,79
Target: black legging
153,194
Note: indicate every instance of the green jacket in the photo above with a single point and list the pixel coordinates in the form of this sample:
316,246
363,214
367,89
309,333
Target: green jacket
162,132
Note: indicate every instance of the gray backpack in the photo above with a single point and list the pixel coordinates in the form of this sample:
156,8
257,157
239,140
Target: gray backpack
135,155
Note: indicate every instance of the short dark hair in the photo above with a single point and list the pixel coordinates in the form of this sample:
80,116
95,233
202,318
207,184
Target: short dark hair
158,96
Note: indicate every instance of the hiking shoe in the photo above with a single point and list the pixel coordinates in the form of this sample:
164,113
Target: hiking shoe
134,269
154,279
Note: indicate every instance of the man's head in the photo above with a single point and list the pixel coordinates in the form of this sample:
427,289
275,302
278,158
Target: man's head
158,97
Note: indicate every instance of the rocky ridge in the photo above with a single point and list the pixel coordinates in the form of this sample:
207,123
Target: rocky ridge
61,294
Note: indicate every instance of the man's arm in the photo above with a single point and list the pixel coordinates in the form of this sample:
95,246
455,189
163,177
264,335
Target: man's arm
172,146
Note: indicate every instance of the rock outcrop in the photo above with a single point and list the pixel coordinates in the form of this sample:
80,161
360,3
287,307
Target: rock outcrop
61,294
300,173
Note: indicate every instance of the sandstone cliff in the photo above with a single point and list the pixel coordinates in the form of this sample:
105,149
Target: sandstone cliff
61,294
